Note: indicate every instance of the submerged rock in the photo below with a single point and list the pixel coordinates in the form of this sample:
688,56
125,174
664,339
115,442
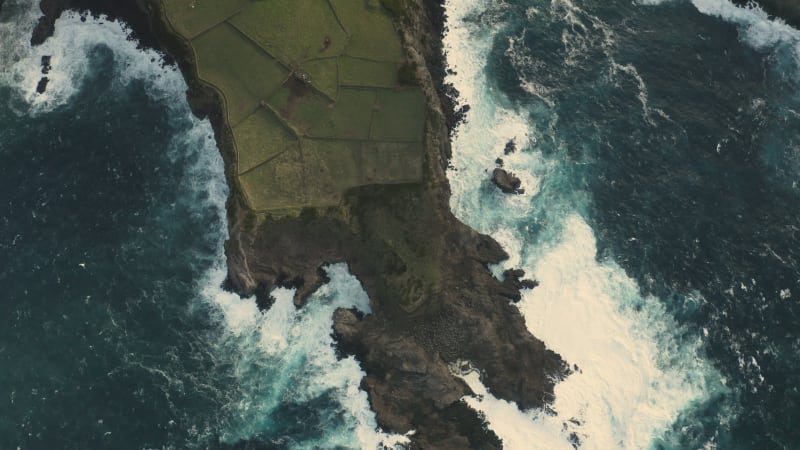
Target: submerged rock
507,181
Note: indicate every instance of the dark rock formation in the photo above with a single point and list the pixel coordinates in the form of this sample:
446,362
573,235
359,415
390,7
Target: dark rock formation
132,12
46,65
513,283
507,182
51,11
41,87
434,302
510,147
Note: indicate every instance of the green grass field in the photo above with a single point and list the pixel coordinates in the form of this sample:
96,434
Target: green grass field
323,74
399,116
192,17
391,162
331,167
261,137
293,30
371,32
278,184
350,117
366,73
244,73
299,106
314,104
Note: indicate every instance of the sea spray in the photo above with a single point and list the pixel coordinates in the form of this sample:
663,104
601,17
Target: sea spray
285,357
633,373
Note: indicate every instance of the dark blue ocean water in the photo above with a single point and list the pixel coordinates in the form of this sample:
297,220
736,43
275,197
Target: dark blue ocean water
675,127
659,146
102,240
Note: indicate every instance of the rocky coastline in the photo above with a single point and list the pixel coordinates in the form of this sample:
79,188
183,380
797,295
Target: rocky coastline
435,304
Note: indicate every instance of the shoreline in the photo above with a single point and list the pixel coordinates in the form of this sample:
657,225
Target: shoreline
419,326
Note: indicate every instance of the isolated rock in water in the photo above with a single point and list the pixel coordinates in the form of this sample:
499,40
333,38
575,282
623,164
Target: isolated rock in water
507,181
511,147
46,65
42,86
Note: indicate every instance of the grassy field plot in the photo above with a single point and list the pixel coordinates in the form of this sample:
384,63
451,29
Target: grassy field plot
371,31
363,72
299,106
323,74
260,137
391,163
244,73
293,30
331,167
278,184
399,115
312,95
191,17
350,117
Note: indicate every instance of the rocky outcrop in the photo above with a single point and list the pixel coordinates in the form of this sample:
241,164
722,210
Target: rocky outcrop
507,181
434,302
513,283
51,11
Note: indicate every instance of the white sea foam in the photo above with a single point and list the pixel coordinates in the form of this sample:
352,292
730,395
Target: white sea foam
286,355
16,20
758,30
282,356
755,25
634,375
70,49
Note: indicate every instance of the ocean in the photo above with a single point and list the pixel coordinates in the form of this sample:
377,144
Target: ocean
658,143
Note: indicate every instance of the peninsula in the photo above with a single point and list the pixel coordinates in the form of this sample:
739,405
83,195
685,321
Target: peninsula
333,120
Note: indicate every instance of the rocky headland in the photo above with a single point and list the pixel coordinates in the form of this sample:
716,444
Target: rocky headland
436,307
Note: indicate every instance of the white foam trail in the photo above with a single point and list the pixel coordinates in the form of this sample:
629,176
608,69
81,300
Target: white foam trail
634,376
283,355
